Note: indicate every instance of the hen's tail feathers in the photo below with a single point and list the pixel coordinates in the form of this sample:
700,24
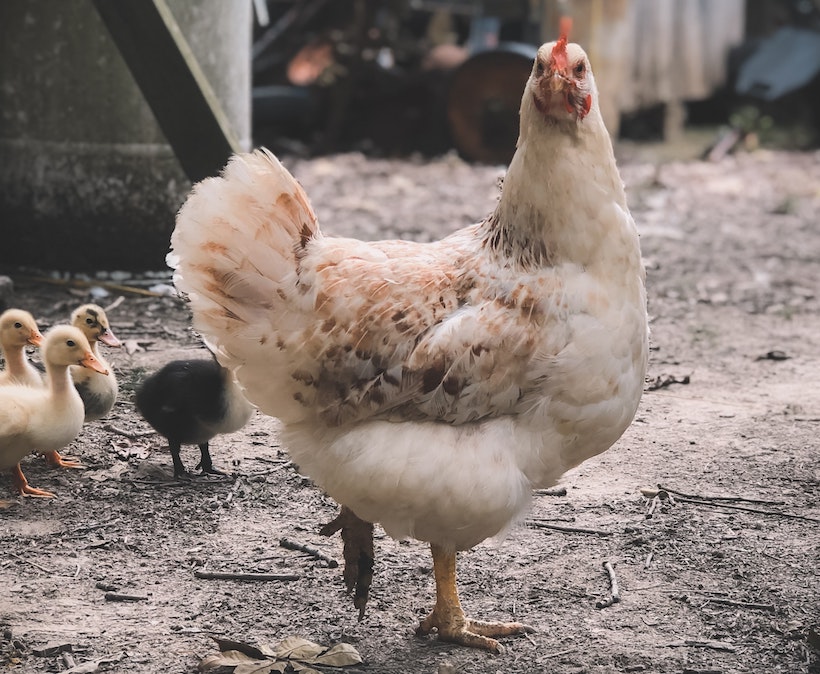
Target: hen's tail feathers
237,244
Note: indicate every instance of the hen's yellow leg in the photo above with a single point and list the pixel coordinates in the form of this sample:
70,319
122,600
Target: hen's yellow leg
448,617
54,459
21,485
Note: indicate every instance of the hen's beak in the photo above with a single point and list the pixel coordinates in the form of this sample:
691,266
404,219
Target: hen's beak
92,363
107,337
35,338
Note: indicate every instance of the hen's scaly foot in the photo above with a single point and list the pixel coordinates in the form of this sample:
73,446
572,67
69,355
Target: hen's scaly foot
459,629
357,536
54,459
448,617
22,486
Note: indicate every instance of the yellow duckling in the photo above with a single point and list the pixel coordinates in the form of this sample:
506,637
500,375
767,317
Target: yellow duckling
98,391
18,329
44,419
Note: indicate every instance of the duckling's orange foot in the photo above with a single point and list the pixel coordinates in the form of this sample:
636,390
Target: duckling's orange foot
22,486
459,629
55,460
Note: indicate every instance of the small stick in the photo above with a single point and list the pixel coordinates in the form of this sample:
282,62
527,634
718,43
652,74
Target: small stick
68,659
703,643
652,507
313,552
277,462
120,299
744,604
648,559
759,511
116,596
555,491
721,498
28,561
131,435
218,575
559,527
229,496
615,594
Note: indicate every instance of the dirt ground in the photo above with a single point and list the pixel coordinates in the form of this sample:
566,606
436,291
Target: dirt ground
732,251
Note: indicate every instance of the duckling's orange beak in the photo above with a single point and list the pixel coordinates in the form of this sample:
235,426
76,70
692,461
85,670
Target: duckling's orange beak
35,338
107,337
92,363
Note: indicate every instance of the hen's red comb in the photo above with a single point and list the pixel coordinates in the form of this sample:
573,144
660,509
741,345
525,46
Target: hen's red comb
559,51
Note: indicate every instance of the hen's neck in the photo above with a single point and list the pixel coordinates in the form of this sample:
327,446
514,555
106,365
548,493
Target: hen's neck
559,194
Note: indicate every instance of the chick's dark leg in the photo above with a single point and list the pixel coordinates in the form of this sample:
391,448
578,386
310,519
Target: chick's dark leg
205,462
448,617
179,468
357,536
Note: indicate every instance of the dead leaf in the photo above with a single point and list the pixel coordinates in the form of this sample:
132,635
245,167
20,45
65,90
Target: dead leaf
292,653
228,658
247,649
340,655
259,667
296,648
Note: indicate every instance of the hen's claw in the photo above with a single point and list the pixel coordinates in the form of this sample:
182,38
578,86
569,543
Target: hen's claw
358,554
458,629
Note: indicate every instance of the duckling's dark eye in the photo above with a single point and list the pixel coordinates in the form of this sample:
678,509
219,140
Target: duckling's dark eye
89,321
18,325
580,69
71,342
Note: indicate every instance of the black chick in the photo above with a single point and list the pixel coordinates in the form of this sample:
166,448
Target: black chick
189,402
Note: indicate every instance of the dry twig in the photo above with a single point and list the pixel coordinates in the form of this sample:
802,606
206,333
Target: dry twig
615,593
743,604
219,575
759,511
116,596
131,435
313,552
720,498
555,491
559,527
703,643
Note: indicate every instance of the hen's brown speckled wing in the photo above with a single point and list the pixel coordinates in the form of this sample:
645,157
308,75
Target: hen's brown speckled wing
342,330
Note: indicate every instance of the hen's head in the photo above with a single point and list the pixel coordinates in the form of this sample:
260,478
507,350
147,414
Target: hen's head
561,83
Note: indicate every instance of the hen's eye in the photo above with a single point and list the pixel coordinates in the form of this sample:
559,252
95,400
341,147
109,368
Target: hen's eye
71,342
580,69
539,68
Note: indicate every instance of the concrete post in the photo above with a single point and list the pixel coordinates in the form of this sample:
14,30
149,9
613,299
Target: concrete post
87,180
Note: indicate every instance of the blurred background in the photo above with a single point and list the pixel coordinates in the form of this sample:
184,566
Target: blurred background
109,110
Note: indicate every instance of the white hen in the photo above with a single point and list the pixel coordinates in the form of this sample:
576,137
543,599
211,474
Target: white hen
430,387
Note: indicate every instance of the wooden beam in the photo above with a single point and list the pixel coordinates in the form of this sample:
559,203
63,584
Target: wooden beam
174,86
